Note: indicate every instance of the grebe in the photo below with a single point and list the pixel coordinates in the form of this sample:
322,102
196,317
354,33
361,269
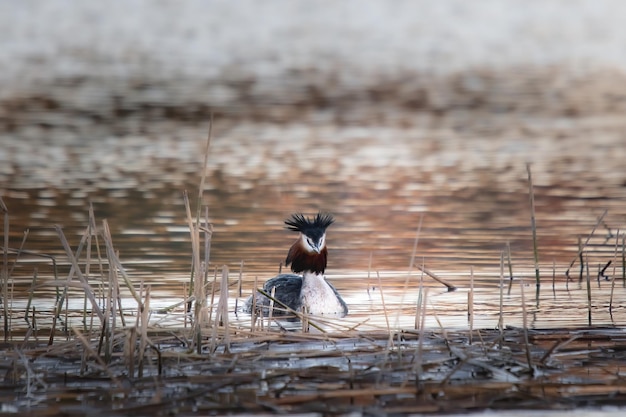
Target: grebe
309,292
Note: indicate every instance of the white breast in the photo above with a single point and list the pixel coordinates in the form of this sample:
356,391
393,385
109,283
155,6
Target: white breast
318,297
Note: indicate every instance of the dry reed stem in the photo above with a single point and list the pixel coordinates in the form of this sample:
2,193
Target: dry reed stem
582,260
510,264
196,249
501,303
326,395
285,308
95,236
410,271
31,376
31,292
369,270
382,300
5,269
498,373
613,275
114,260
533,224
470,305
200,317
418,306
525,326
129,348
451,287
87,288
207,231
64,295
239,285
222,313
419,355
111,311
559,344
213,290
90,231
582,247
144,313
554,278
588,294
624,260
90,352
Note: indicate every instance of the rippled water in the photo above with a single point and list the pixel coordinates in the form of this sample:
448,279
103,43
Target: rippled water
425,159
465,189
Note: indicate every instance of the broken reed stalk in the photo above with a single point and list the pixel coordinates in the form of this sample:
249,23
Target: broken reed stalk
222,312
369,270
451,287
199,201
31,293
5,270
382,300
130,341
613,275
554,278
114,301
90,352
144,313
624,260
213,289
411,264
420,300
510,263
419,354
200,316
501,312
389,332
588,295
90,231
581,248
111,311
533,223
114,260
470,305
240,280
64,295
207,231
86,287
525,327
582,261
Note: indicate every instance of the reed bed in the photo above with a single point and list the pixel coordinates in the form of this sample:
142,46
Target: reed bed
119,360
111,358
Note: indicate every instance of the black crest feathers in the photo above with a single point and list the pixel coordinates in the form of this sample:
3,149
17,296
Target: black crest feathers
299,223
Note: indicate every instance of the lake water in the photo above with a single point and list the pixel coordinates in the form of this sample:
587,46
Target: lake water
413,142
454,183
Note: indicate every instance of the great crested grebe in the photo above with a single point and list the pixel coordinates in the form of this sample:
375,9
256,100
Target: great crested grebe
309,292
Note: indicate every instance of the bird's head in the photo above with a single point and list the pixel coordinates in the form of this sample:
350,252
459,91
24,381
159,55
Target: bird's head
312,230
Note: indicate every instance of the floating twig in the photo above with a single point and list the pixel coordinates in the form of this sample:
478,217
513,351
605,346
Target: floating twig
451,287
